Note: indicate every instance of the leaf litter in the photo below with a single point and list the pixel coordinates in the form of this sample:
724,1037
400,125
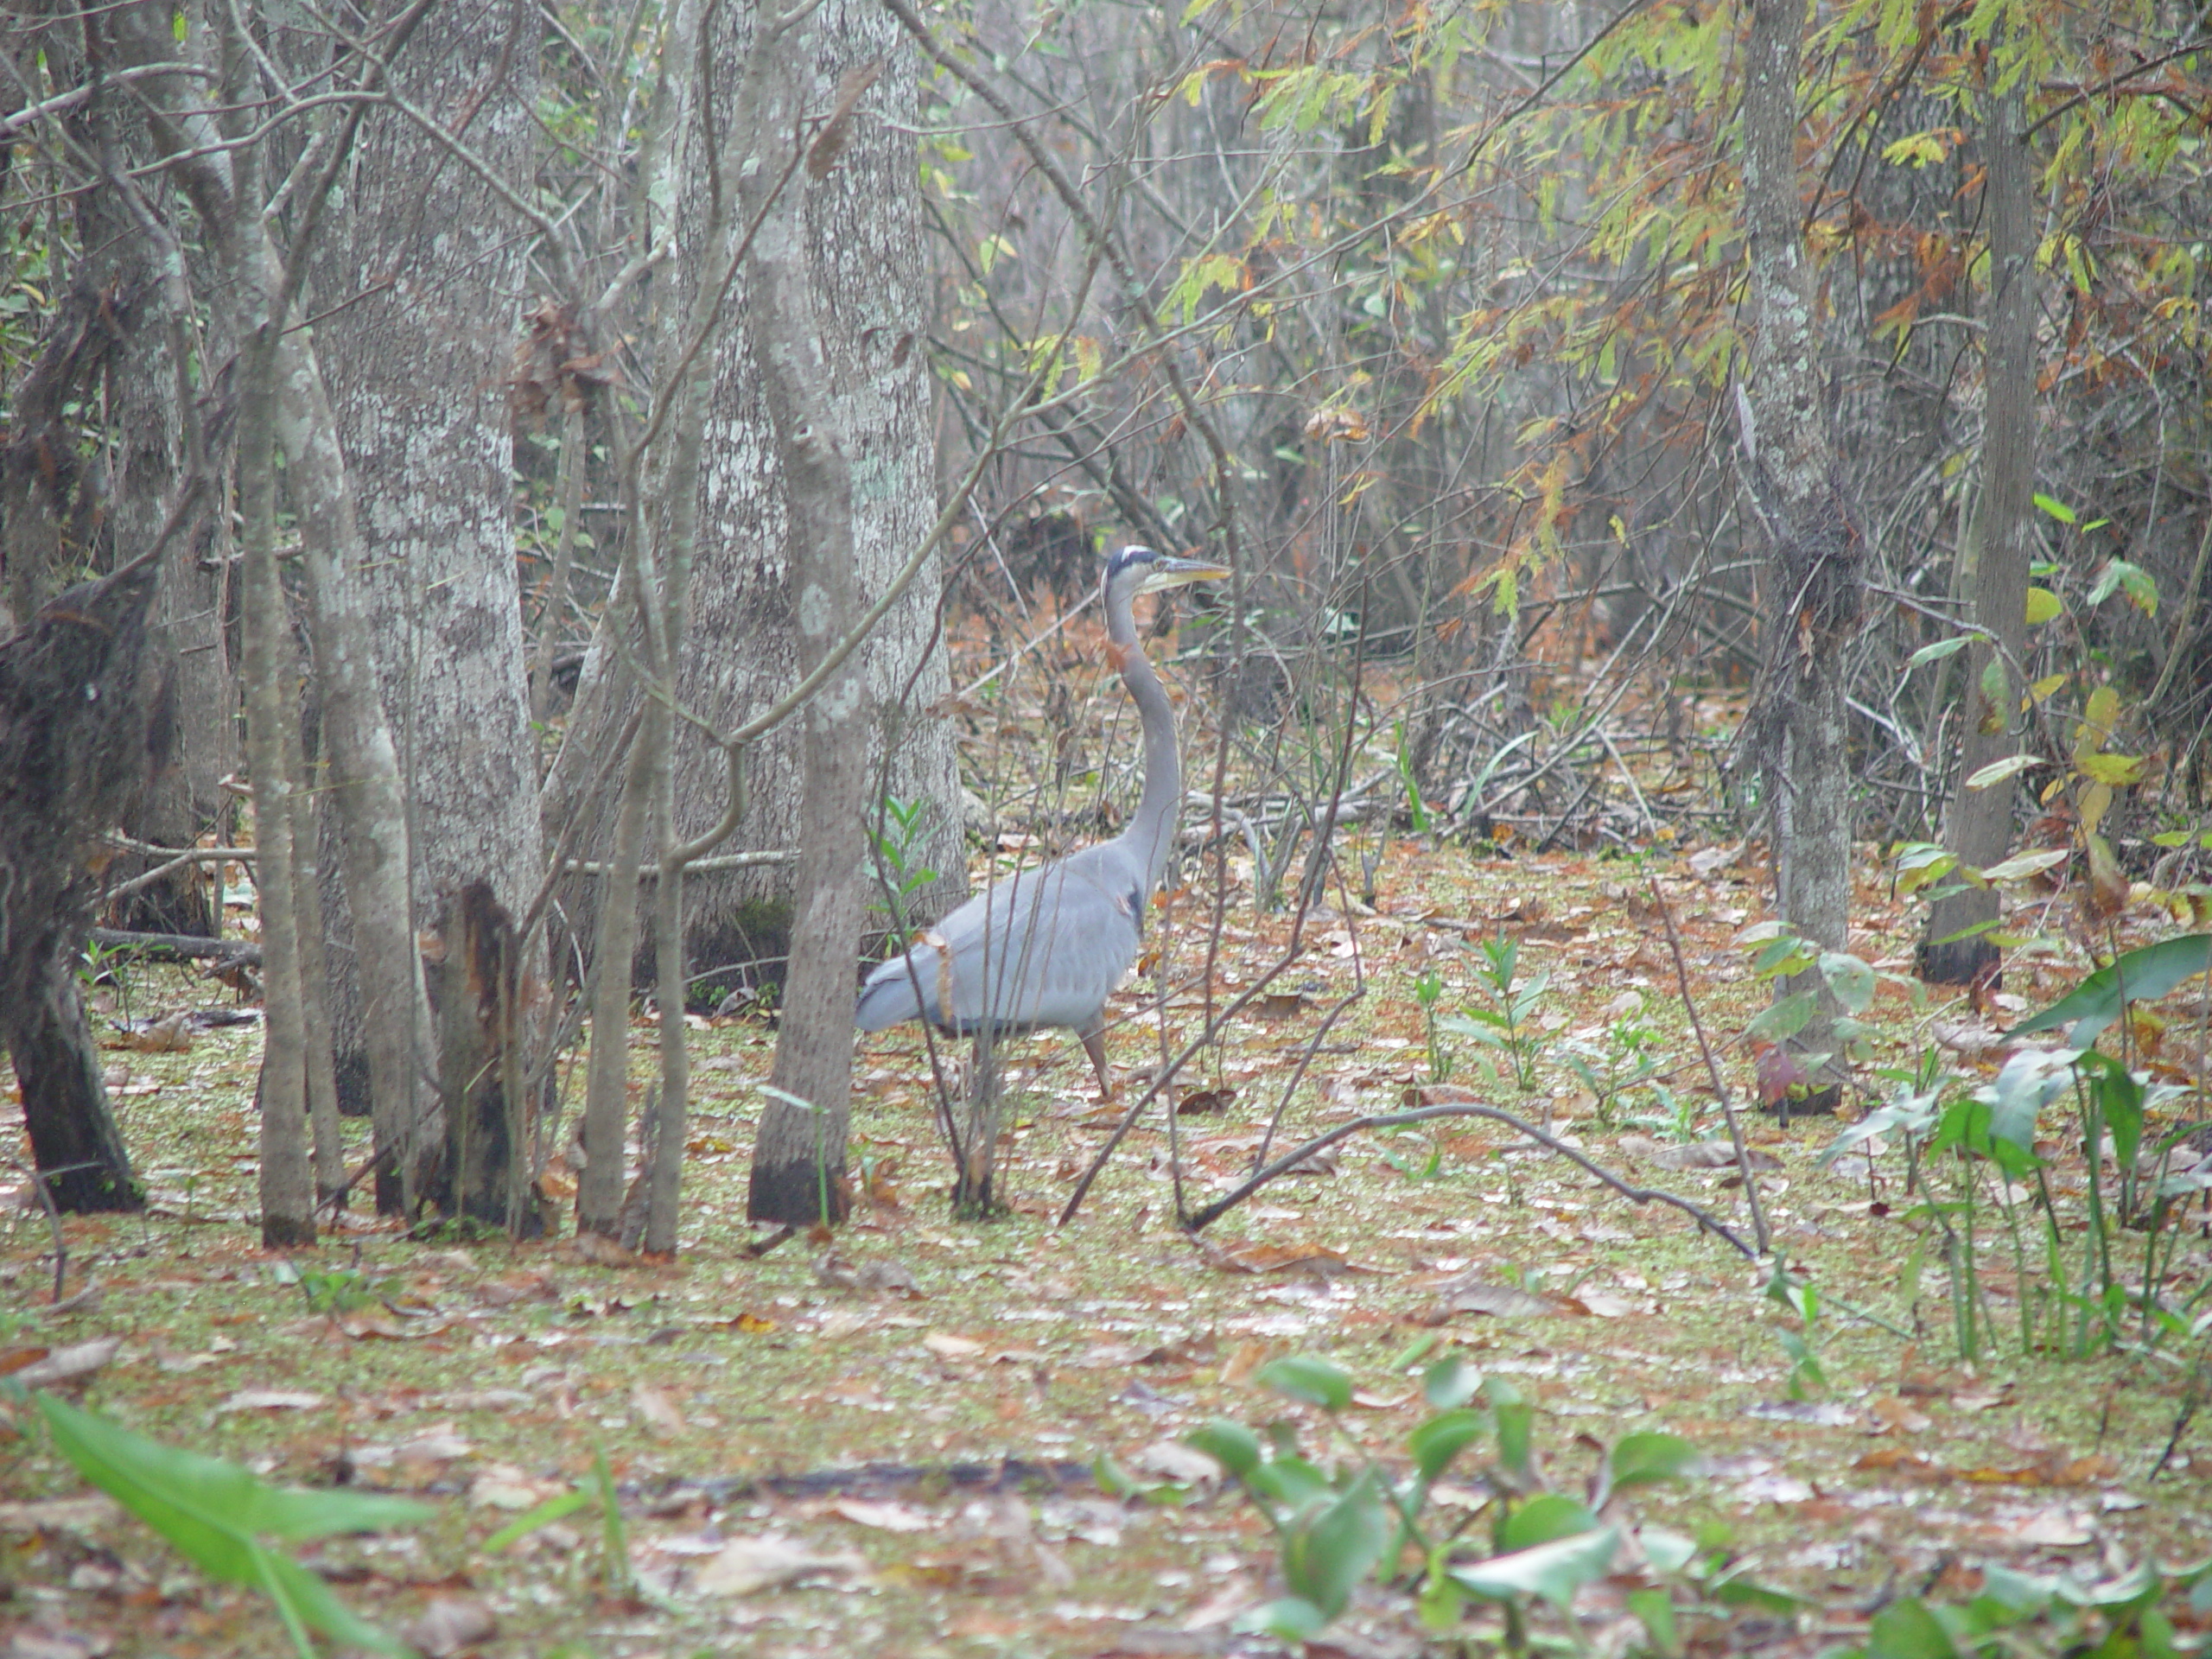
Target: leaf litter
889,1446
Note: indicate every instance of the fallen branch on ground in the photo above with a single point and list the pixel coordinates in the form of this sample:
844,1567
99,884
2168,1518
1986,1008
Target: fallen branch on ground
179,947
1298,1155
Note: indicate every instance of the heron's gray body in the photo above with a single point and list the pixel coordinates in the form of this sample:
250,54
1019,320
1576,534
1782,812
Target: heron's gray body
1047,947
1052,944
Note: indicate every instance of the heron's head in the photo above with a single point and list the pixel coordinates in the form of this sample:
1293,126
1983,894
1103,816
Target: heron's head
1141,570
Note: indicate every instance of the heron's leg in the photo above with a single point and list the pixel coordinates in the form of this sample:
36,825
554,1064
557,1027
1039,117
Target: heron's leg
1094,1044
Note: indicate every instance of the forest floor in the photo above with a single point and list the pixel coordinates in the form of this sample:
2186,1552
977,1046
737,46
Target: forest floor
890,1442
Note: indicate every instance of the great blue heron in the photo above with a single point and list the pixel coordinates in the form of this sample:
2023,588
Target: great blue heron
1052,943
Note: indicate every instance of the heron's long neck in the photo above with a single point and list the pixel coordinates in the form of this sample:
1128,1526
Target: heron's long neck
1150,829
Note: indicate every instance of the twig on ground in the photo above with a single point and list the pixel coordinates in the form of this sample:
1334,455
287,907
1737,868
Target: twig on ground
1712,1070
38,1179
1298,1155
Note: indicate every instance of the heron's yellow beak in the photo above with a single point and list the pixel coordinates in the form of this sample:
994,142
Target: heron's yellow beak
1168,571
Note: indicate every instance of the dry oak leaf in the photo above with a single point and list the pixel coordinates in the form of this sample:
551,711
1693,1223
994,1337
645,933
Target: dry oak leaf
1172,1460
658,1411
2051,1470
525,1286
273,1399
502,1486
1314,1261
389,1328
1896,1417
2052,1529
750,1324
744,1566
80,1515
1467,1294
893,1276
1693,1155
1900,1460
168,1035
441,1443
450,1623
883,1517
47,1642
45,1367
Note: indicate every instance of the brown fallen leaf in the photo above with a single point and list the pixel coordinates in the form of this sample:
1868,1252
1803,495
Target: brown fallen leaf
1322,1162
750,1324
526,1286
1223,1605
273,1399
944,1346
744,1566
1903,1460
1441,1094
2053,1469
441,1443
502,1486
388,1327
883,1275
1693,1155
1312,1260
448,1624
1172,1460
1708,861
48,1639
47,1368
658,1411
78,1515
2053,1529
1203,1101
1896,1417
832,1268
883,1517
1244,1359
1466,1294
168,1035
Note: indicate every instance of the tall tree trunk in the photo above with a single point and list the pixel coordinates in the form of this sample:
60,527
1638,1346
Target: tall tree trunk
134,256
421,277
362,772
1994,556
1814,586
364,776
861,233
287,1191
798,1159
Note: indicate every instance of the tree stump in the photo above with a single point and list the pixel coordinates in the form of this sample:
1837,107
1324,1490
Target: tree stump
87,718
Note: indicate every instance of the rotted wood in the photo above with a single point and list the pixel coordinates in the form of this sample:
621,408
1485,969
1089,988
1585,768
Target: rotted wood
87,719
476,985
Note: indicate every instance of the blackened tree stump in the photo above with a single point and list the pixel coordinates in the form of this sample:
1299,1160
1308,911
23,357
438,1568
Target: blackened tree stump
87,714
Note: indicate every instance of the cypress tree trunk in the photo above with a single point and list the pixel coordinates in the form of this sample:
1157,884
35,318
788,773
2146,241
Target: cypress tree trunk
1994,555
1813,587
